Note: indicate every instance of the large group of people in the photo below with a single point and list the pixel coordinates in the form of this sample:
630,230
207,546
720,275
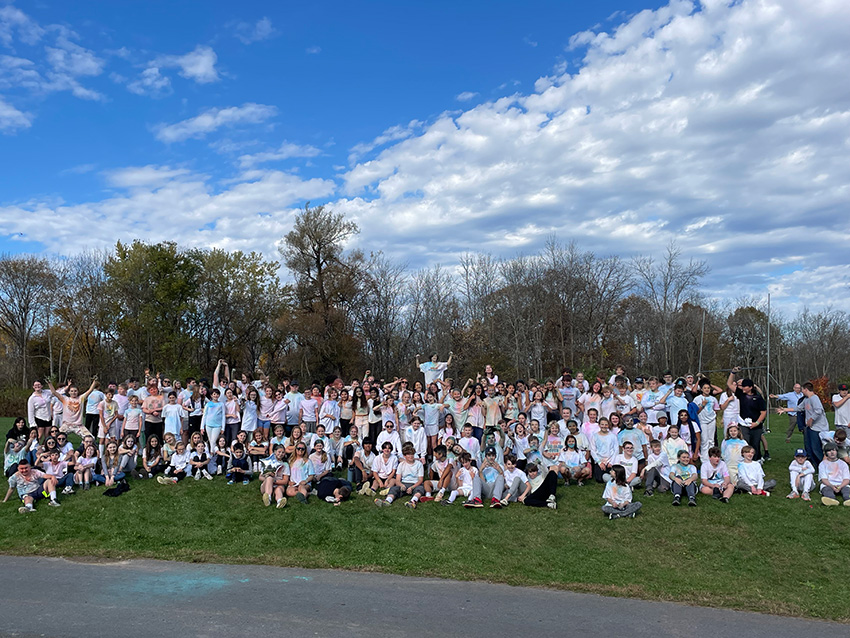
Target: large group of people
486,443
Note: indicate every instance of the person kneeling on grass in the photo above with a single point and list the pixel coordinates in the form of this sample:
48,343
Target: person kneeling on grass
834,477
409,478
802,474
542,493
714,477
32,485
683,479
751,475
275,479
178,465
618,496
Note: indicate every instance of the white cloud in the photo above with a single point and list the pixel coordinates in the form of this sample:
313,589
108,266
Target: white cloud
313,50
162,203
466,96
69,57
11,119
287,150
392,134
197,65
529,41
212,119
150,82
13,22
723,126
248,33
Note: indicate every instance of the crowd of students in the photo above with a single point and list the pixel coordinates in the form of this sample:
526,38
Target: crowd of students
487,443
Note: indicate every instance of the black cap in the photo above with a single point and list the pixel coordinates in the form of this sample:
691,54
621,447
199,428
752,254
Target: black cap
638,379
293,382
746,383
842,386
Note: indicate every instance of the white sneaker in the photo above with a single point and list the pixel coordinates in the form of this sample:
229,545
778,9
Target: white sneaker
68,490
218,470
330,499
54,503
197,476
207,475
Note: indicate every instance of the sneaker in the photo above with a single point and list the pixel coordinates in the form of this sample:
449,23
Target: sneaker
611,516
267,499
54,503
68,490
551,498
504,502
447,502
314,492
692,502
25,510
496,503
281,503
633,514
475,502
379,502
766,455
552,505
648,492
829,502
207,475
806,496
164,481
150,475
384,491
765,493
677,500
412,504
580,483
245,482
330,499
846,503
301,498
86,486
218,470
724,499
135,474
438,497
230,482
793,495
197,476
426,499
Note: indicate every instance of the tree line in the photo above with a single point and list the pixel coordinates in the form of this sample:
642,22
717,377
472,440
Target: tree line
324,310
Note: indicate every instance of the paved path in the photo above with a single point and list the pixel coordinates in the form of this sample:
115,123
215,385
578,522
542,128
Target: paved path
152,599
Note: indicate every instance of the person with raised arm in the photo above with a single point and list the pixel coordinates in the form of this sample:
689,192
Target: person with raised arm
434,369
72,407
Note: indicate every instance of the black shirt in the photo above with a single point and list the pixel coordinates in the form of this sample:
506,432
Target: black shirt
752,405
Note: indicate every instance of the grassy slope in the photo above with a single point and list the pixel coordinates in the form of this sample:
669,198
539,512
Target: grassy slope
770,555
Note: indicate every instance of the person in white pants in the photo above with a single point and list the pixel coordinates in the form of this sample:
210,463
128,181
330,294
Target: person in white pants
708,408
802,476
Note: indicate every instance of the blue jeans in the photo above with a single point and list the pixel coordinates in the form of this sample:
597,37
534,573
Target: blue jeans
814,447
100,478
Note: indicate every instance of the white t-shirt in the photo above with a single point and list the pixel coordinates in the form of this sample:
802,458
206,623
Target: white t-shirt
732,411
620,494
510,475
630,465
842,414
714,475
835,471
384,467
410,473
433,371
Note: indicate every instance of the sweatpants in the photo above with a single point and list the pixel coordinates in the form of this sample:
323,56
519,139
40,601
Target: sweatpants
829,492
489,491
681,490
516,488
627,511
806,483
753,438
767,487
655,481
395,490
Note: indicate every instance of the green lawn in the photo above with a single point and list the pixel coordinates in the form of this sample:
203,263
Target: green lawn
769,555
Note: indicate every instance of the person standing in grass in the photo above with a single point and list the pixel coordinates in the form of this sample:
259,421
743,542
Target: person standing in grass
714,477
212,421
802,474
618,496
834,477
684,478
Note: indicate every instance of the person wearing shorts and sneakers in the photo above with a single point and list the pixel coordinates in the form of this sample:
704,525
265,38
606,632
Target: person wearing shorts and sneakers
834,477
409,478
32,485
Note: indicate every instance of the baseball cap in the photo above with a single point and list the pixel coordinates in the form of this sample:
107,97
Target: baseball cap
799,452
638,379
842,386
293,382
490,450
747,383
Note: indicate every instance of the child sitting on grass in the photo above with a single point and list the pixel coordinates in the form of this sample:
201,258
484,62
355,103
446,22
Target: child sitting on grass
683,477
714,476
572,463
408,479
802,474
751,475
178,464
618,496
834,477
656,474
238,466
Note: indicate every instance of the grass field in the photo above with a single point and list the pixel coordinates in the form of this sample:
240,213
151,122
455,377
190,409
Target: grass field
762,554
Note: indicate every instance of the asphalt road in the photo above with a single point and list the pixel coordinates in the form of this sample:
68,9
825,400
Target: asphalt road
56,597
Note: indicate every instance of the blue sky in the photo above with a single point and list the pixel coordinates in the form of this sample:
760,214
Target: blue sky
440,127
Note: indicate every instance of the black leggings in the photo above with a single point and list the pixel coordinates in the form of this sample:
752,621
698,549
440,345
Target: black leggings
540,496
